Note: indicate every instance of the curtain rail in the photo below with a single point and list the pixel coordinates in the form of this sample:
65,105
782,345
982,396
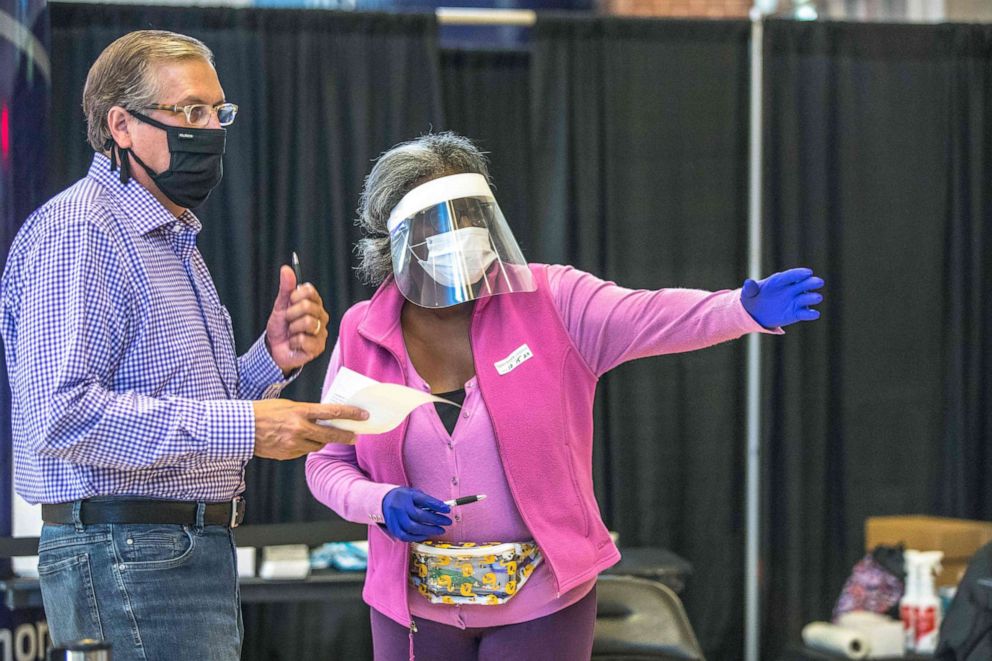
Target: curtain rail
478,16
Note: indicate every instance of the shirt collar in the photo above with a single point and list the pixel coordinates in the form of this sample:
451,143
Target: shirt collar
136,201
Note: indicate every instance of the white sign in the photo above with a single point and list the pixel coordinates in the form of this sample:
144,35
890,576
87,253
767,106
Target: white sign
514,360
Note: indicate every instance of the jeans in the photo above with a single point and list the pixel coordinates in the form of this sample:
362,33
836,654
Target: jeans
153,591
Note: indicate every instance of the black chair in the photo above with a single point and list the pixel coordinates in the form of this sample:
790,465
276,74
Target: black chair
638,619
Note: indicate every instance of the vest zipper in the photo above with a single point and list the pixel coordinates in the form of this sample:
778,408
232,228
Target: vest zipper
413,630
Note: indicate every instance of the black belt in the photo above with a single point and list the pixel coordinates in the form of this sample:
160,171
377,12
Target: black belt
123,510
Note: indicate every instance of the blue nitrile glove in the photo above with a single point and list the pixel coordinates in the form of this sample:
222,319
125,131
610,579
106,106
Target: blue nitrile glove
411,515
782,298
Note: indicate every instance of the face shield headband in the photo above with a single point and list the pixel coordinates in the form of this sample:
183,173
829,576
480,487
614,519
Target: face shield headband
451,244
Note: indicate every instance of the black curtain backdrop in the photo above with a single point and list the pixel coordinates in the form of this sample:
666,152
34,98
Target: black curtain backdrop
487,97
877,164
620,146
966,451
640,139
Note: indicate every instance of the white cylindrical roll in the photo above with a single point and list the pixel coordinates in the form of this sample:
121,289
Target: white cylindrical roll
838,640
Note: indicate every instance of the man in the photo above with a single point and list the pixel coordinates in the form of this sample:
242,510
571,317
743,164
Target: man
131,419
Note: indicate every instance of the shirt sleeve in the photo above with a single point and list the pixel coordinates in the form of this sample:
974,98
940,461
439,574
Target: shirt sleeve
74,323
336,480
258,375
610,325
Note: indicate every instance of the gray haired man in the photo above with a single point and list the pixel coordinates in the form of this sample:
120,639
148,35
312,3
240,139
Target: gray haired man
132,415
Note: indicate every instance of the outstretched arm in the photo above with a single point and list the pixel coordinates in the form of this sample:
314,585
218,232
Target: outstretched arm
610,324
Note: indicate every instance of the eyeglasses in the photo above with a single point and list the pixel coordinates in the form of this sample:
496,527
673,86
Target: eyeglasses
198,114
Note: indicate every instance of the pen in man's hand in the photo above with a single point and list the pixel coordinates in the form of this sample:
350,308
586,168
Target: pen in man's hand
465,500
296,269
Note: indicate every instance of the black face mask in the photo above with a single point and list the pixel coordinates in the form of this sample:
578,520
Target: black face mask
196,164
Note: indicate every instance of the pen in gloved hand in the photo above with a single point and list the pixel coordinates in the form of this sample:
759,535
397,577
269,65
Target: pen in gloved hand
465,500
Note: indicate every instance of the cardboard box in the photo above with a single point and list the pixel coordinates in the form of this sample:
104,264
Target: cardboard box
957,538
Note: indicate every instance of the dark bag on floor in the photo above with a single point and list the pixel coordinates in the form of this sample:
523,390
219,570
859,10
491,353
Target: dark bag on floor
966,632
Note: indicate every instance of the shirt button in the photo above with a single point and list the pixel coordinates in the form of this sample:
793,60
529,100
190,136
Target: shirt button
122,566
454,480
130,541
465,414
450,445
458,517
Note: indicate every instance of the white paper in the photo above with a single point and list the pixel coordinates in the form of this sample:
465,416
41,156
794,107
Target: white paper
387,403
285,561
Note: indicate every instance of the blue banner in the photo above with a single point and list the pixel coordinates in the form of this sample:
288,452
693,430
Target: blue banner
25,82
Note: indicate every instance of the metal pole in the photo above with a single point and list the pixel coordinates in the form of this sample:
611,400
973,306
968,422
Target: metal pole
752,566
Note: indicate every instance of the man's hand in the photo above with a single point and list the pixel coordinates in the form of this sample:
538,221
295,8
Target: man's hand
783,298
297,329
285,429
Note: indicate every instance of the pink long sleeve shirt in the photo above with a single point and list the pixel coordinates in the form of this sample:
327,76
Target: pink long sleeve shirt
608,325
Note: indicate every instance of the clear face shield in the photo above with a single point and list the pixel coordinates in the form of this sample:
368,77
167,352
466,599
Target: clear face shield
451,244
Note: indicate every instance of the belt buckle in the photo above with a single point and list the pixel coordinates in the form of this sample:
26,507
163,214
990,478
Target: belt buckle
237,511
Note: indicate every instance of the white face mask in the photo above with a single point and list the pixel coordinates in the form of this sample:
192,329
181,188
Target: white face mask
459,257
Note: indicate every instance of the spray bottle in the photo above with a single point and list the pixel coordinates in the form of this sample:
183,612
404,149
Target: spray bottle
910,600
928,610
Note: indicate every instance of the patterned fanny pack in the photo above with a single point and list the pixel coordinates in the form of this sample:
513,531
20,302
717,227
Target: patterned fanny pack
469,573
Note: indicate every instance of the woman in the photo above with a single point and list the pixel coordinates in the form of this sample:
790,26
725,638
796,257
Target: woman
519,347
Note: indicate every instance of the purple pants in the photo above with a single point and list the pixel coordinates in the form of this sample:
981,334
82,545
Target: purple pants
566,634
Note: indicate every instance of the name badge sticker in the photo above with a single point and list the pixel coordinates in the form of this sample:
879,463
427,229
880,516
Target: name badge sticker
514,360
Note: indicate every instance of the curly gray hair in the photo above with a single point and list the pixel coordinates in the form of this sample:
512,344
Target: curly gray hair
396,172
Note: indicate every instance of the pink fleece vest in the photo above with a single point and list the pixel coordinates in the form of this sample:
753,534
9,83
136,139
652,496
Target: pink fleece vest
541,412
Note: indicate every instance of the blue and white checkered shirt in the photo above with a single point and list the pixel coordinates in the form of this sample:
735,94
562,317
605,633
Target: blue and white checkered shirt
121,357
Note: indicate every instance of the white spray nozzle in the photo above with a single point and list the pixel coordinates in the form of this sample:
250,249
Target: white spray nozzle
932,559
927,562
